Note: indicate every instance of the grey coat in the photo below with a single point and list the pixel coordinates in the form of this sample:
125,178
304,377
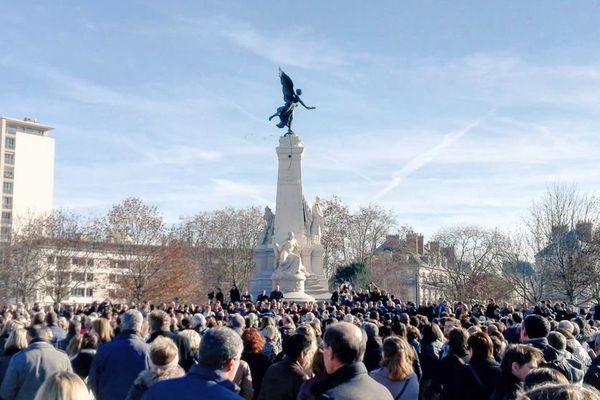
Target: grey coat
29,368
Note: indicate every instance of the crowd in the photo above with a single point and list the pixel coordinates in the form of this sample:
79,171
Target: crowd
361,344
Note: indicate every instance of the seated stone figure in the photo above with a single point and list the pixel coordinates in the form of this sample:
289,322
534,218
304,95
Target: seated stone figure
287,259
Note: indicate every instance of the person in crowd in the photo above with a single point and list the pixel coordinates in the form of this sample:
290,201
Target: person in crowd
276,294
447,378
518,360
220,297
63,386
73,331
373,355
592,376
283,379
534,332
102,327
58,333
211,378
164,364
253,354
561,392
319,373
194,340
199,323
396,372
17,341
29,368
540,376
159,324
82,361
343,350
118,362
234,294
482,372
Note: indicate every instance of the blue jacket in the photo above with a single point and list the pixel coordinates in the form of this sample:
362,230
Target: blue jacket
201,383
117,364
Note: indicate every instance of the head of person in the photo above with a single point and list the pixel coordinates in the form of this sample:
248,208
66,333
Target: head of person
103,328
163,354
63,386
39,333
193,338
534,327
131,321
457,340
343,344
17,340
159,320
559,391
237,323
519,359
398,358
220,350
540,376
480,345
254,342
557,340
51,318
297,347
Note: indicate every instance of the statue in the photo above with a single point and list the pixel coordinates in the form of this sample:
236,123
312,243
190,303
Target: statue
267,233
287,258
317,221
291,98
307,214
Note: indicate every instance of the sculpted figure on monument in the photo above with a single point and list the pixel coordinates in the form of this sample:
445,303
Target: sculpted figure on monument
317,221
291,99
287,256
267,233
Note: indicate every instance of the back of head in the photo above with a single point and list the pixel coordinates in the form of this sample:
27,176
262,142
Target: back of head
193,338
397,358
51,318
163,352
540,376
347,341
218,346
555,391
16,341
557,340
237,323
158,320
131,320
39,333
63,386
536,326
295,345
481,345
457,340
566,325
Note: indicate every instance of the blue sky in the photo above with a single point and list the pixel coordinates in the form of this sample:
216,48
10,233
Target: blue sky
448,113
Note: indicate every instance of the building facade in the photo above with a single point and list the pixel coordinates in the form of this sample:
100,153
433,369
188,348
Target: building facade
27,170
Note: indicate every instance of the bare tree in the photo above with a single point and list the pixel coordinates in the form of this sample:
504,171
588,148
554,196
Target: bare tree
336,217
474,261
560,227
222,242
367,230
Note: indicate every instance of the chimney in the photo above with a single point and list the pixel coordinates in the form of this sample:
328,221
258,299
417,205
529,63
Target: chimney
412,242
420,244
449,253
434,247
584,231
559,231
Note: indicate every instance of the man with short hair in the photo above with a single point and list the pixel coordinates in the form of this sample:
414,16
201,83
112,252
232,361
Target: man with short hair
159,323
348,379
282,380
517,361
118,362
210,379
58,333
534,332
29,368
592,376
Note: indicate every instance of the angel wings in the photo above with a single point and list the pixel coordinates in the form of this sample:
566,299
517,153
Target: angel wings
291,99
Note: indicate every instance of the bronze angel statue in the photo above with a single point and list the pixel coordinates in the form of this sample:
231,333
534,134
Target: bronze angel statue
291,98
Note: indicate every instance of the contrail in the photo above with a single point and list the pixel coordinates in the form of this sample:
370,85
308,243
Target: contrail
425,158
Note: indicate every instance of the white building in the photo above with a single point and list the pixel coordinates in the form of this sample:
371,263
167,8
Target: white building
27,170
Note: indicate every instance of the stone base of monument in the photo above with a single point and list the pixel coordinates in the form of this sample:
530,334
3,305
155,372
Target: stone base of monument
292,286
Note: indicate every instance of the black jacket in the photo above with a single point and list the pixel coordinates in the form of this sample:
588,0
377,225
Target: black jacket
592,376
350,382
507,388
186,358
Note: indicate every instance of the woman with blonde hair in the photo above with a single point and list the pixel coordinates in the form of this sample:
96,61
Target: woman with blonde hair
17,341
104,330
396,372
63,386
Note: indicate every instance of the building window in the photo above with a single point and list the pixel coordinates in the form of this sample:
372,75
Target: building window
89,292
51,259
7,202
89,277
79,292
90,262
11,129
5,233
9,173
113,278
78,276
8,187
6,216
78,261
9,143
9,158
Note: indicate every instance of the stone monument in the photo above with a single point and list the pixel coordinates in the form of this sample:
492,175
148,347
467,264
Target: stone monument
289,251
